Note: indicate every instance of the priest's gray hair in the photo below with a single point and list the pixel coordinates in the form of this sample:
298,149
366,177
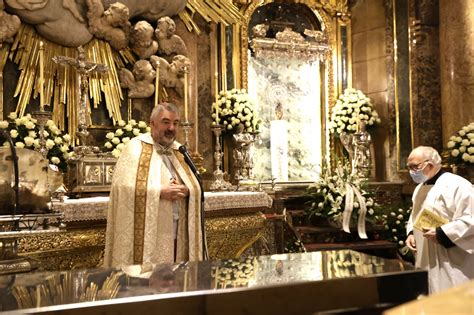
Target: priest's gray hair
161,107
429,154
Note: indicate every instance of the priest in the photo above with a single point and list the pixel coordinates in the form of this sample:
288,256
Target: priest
155,200
446,249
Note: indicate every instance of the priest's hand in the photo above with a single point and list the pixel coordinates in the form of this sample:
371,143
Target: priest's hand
410,242
174,191
430,234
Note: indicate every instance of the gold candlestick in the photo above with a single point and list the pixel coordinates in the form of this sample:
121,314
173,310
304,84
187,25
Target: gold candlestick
157,85
216,76
41,75
186,95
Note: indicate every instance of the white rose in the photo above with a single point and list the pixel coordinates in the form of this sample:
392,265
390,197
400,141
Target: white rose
3,124
120,147
45,133
132,122
64,148
6,144
465,142
125,140
29,141
119,132
19,145
116,153
58,140
371,211
462,133
451,144
115,141
49,144
67,138
12,115
66,155
29,125
470,150
462,149
13,133
18,121
471,159
148,129
458,139
466,157
121,123
37,143
50,123
32,134
136,131
110,135
128,127
108,145
141,124
55,160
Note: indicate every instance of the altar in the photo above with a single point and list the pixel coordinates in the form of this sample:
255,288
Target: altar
277,284
234,221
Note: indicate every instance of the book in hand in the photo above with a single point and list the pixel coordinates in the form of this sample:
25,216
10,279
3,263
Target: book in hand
427,219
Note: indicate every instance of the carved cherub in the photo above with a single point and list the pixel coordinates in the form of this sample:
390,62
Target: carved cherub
170,44
141,40
111,24
172,74
140,81
260,30
9,25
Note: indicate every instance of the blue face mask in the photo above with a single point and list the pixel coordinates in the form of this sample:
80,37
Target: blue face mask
418,176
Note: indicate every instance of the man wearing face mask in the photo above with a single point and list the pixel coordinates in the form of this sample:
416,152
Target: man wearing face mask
155,200
447,251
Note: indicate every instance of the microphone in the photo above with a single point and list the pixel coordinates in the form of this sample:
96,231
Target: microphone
189,161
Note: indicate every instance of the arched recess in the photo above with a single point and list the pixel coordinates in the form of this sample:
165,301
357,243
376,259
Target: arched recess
328,20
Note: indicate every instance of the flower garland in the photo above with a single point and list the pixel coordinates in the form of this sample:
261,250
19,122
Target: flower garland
461,146
351,107
234,110
117,140
25,133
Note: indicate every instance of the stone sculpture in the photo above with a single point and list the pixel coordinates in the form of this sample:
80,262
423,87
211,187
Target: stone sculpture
172,74
140,81
141,40
169,43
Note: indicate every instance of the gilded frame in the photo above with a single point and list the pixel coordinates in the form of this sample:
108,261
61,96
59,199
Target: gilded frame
332,15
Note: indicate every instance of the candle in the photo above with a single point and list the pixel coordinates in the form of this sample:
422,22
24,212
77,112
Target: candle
216,76
186,95
41,75
157,85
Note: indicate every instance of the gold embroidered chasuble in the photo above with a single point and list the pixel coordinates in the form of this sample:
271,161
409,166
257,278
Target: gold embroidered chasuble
139,223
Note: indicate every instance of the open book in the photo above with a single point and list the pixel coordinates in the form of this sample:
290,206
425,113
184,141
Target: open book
428,219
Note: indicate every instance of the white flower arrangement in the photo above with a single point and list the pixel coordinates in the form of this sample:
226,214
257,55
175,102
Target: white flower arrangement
235,110
125,132
25,133
351,107
327,195
461,146
395,224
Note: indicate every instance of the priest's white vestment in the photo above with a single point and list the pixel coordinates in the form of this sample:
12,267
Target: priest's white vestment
451,197
139,223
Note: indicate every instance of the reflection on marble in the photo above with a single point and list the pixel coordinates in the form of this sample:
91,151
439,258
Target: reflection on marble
293,86
246,273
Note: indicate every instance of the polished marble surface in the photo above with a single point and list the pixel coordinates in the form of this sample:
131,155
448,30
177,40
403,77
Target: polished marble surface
29,290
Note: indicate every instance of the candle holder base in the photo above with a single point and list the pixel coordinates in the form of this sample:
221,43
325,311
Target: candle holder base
219,183
42,117
186,126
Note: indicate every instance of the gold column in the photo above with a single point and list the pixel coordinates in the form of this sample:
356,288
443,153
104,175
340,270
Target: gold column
456,30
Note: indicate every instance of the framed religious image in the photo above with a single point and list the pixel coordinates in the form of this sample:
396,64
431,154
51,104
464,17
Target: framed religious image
93,174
